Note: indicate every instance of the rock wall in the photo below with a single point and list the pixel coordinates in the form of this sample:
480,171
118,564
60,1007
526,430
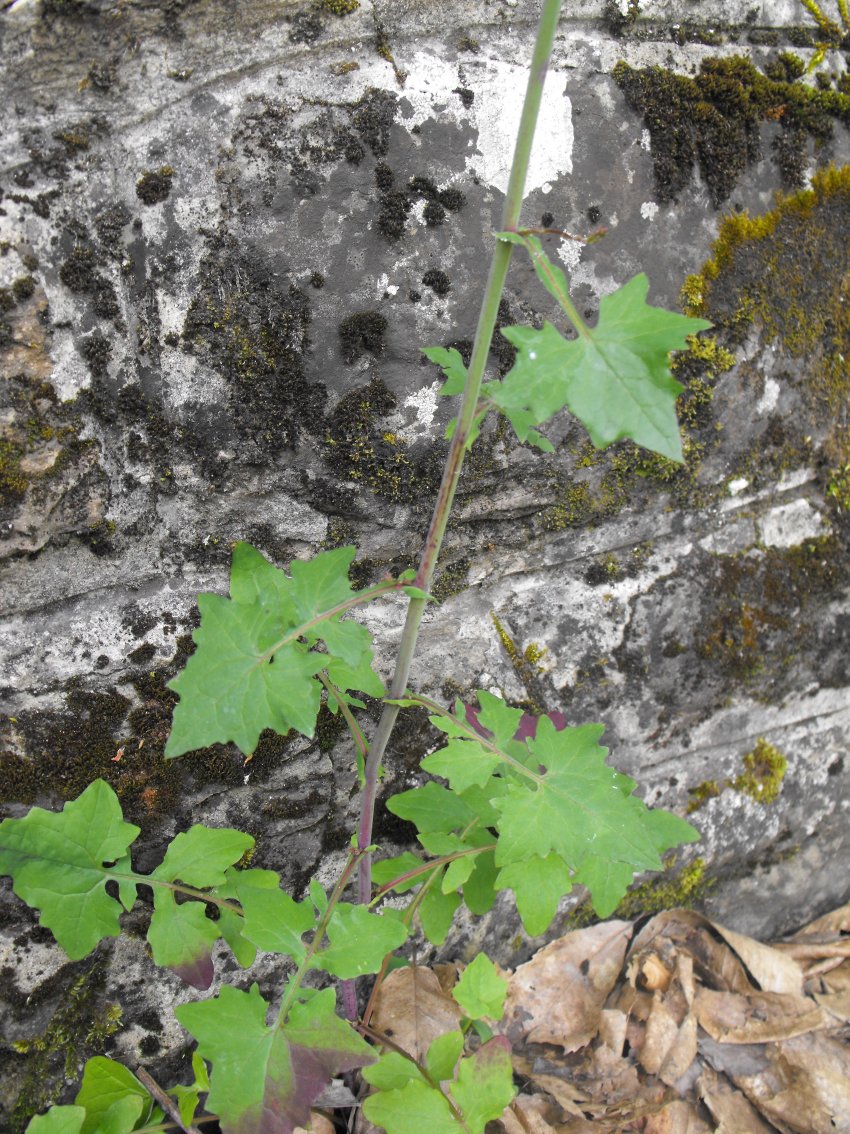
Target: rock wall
225,232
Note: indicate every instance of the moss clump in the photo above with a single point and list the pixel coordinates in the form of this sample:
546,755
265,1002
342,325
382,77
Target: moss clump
701,794
13,480
437,281
154,186
254,333
451,579
525,664
392,215
712,120
663,892
362,333
357,448
764,771
80,1027
340,7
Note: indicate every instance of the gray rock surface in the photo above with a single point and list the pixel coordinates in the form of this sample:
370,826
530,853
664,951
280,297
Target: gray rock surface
225,232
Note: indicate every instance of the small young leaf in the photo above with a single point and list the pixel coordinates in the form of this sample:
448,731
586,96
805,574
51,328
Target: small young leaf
484,1085
538,885
274,922
443,1055
106,1083
392,1071
58,1120
480,990
436,913
451,363
201,855
56,860
278,1071
181,938
253,668
359,941
388,869
318,896
431,808
413,1109
479,890
188,1096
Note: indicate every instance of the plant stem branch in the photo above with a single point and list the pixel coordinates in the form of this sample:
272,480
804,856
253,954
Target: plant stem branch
168,1105
460,439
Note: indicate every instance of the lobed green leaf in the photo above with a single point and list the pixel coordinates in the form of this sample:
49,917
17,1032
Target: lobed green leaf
254,667
57,861
265,1077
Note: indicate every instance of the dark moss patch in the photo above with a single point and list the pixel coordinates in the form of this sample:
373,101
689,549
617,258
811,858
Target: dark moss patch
712,120
80,1026
392,214
358,449
254,331
317,280
451,199
362,333
306,26
372,117
466,96
434,214
384,176
437,281
154,186
109,226
761,613
97,351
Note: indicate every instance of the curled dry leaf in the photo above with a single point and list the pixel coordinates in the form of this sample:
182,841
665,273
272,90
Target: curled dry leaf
412,1010
530,1114
761,1017
677,1117
557,997
804,1085
731,1110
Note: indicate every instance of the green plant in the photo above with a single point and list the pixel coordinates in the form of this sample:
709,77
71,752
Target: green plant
526,806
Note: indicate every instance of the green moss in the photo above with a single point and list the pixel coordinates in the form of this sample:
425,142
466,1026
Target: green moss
78,1029
340,7
525,663
666,891
358,449
712,120
702,793
761,779
451,579
764,771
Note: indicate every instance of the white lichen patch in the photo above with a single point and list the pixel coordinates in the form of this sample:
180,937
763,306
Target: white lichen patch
790,524
499,89
648,210
423,403
767,402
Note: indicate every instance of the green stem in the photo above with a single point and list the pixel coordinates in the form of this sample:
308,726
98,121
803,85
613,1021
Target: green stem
316,942
460,439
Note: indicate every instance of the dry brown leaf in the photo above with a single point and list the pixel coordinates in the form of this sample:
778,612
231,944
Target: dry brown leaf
684,930
530,1114
678,1117
761,1017
613,1025
318,1125
731,1110
838,979
835,922
654,974
805,1085
836,1003
662,1030
558,995
448,975
774,970
565,1093
412,1010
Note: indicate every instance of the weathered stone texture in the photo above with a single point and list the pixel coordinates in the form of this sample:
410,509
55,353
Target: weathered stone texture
225,232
